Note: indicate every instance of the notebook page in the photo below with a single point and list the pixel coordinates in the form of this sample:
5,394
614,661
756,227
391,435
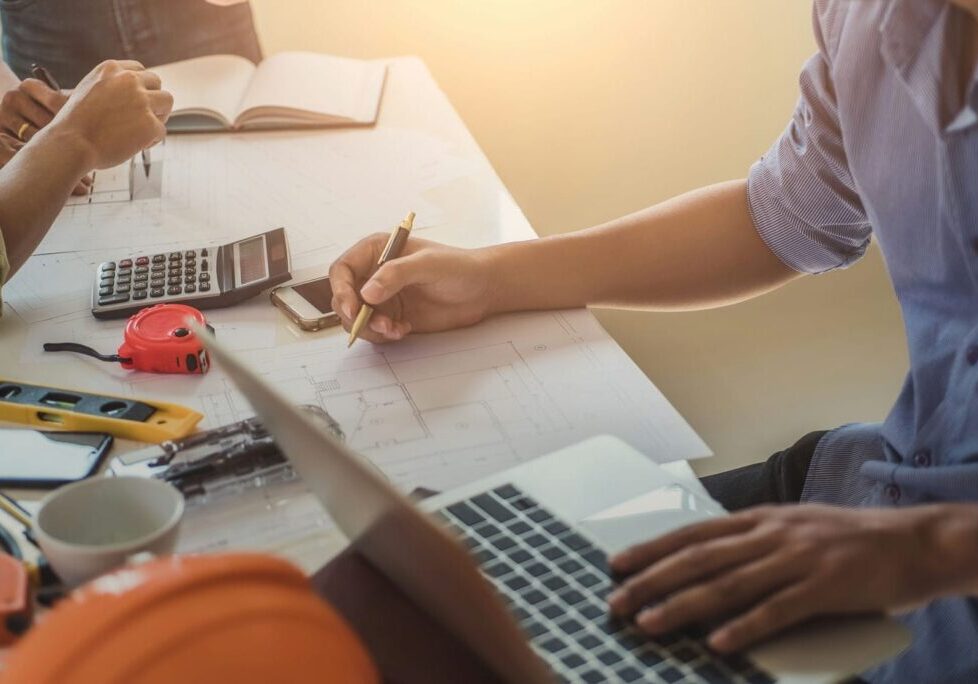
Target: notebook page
313,88
213,85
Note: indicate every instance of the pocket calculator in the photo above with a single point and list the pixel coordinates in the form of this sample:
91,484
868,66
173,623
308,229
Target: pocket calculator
205,277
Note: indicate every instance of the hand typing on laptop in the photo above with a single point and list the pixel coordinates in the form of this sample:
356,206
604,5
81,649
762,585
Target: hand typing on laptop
767,568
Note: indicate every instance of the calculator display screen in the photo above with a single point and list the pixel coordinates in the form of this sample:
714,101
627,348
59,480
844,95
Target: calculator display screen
251,260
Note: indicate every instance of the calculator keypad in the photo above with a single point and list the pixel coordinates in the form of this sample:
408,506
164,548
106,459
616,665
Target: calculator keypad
138,278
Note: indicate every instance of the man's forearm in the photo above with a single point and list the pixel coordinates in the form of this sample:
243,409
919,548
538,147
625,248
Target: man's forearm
953,532
699,250
34,186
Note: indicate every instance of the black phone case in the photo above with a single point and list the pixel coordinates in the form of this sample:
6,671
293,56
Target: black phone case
102,451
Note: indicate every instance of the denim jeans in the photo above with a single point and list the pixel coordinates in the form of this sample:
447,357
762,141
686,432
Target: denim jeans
70,37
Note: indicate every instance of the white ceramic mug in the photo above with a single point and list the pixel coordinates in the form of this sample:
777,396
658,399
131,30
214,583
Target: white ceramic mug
89,527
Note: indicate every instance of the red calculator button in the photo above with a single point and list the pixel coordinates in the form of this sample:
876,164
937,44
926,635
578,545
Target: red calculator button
142,261
125,263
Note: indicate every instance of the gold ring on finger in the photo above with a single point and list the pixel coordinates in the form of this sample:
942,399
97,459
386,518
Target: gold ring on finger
23,129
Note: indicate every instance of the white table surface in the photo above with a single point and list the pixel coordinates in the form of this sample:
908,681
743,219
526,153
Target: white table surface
473,209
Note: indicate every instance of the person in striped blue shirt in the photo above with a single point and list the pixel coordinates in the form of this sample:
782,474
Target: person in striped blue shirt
883,517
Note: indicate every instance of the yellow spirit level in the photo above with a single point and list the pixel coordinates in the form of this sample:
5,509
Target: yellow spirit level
60,409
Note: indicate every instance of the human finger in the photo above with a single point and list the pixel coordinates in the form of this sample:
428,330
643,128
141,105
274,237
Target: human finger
391,329
19,109
345,298
128,64
8,147
161,103
9,121
351,269
149,79
400,330
394,276
719,596
686,566
33,113
52,100
642,555
10,143
369,334
159,133
787,607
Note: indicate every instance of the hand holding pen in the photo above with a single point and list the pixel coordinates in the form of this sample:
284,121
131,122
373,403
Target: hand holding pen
45,90
40,73
25,110
427,288
392,250
30,106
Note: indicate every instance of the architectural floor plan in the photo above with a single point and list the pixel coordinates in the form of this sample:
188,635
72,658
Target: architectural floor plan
439,410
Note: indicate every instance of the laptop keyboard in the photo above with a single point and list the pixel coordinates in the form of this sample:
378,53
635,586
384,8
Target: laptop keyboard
557,583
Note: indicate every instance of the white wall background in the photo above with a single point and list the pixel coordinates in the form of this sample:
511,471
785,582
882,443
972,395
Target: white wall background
593,108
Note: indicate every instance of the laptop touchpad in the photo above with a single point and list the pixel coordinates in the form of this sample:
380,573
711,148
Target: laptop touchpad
648,516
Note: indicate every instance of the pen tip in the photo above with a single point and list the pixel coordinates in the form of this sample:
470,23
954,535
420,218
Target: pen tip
408,221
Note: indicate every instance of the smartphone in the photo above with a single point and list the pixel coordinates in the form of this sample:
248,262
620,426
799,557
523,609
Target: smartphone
31,458
309,304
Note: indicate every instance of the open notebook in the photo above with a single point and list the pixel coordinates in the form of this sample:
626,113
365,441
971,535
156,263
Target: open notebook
287,90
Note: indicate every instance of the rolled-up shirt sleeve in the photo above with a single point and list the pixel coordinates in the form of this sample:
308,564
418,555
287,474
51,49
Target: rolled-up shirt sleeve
801,193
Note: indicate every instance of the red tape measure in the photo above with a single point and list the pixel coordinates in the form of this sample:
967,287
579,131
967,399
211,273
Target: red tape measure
156,340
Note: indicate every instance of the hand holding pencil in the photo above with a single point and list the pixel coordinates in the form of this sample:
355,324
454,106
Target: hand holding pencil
419,286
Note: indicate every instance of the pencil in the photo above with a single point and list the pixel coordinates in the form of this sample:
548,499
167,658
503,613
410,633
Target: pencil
392,250
15,512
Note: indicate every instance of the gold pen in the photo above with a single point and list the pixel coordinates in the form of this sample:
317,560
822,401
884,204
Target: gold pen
392,250
14,512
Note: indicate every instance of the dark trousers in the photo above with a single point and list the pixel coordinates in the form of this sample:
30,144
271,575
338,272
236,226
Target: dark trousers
70,37
779,479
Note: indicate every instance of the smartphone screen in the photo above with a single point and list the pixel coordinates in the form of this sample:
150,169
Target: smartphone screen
319,293
32,458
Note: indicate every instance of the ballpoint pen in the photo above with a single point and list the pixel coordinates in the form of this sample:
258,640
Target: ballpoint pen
45,76
392,250
42,74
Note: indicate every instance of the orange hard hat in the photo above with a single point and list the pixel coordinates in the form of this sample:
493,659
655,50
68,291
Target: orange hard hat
239,618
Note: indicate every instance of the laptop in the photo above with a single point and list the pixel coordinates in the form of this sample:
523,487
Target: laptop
514,564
